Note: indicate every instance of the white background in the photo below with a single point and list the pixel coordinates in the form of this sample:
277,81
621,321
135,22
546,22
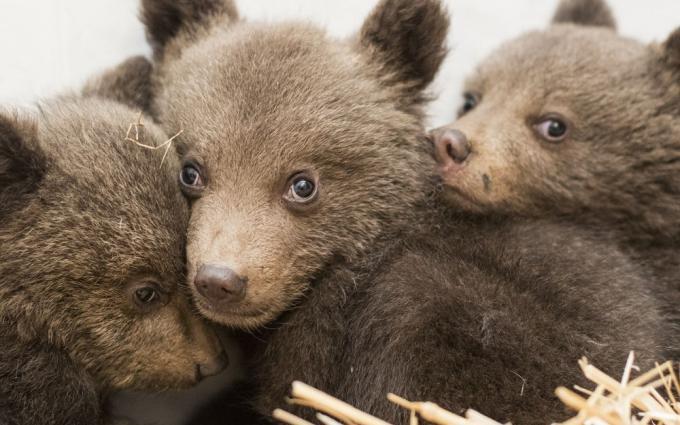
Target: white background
47,46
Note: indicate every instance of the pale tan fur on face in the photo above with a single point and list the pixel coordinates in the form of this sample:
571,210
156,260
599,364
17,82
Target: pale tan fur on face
238,240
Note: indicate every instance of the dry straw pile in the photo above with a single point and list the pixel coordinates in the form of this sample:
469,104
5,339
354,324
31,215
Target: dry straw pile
649,398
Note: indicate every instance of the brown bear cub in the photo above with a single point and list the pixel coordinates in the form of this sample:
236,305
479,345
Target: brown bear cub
579,122
91,266
313,225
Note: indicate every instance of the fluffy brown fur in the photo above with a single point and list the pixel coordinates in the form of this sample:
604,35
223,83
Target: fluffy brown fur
618,168
492,318
358,291
87,219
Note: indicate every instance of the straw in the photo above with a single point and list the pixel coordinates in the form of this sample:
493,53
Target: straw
136,126
648,399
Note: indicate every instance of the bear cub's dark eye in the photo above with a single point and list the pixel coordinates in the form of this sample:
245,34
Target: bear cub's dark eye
146,295
302,188
190,176
470,102
552,129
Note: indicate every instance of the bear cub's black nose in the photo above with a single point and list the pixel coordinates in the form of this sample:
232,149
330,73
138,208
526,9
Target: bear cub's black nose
220,284
450,145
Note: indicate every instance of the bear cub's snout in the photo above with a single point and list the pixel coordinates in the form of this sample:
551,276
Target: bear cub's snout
452,147
220,284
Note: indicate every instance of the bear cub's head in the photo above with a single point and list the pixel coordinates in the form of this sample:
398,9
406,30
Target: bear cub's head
92,235
572,119
299,150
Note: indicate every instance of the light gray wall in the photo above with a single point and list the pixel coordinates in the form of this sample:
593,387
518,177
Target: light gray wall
50,45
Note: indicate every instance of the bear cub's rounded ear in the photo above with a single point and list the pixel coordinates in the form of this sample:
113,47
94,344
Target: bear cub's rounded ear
128,83
595,13
407,39
165,19
22,163
671,50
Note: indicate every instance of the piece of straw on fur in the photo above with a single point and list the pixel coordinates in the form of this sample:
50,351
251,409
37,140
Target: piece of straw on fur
650,398
136,126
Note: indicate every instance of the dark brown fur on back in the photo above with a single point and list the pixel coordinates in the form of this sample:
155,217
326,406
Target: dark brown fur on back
492,317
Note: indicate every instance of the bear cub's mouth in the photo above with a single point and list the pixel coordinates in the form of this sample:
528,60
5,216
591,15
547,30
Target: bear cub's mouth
226,309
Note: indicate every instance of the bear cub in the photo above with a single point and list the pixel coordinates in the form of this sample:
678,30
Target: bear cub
92,233
578,122
313,225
